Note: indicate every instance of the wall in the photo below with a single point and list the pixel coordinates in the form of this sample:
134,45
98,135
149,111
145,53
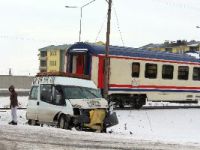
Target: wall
20,82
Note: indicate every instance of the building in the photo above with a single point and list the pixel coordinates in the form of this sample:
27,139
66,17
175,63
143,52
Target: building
194,45
179,46
52,58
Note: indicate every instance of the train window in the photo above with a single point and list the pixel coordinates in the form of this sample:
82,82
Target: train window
135,70
196,73
183,72
167,71
150,71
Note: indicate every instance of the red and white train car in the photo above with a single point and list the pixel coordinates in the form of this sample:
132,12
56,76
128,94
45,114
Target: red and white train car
138,75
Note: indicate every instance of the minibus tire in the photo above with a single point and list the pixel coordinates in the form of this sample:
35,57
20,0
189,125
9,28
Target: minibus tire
63,122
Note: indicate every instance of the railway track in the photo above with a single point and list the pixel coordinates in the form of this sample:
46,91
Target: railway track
2,109
159,107
129,108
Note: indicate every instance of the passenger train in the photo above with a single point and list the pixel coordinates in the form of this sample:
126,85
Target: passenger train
137,75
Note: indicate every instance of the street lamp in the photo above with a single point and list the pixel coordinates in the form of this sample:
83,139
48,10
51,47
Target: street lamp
81,15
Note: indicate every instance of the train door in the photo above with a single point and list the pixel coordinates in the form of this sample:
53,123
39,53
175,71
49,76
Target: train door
80,64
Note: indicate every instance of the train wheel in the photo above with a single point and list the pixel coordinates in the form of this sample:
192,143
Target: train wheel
121,105
138,103
138,106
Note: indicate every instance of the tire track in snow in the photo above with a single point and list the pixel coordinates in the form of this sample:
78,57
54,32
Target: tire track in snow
26,137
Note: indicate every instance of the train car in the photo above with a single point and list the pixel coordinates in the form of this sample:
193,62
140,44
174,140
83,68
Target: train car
138,75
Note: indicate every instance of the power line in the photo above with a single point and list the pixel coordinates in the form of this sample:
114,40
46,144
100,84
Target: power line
178,5
118,26
101,28
3,36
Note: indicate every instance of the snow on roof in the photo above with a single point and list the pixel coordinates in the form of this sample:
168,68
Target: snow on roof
196,55
193,45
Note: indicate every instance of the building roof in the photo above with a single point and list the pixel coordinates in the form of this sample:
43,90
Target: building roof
131,52
53,47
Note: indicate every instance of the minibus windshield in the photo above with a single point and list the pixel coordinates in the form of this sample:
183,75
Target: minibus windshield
72,92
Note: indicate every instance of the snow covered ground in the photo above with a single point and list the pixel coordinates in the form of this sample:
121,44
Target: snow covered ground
5,102
30,137
174,126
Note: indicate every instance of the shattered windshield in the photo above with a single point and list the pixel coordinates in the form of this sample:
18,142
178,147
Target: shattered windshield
72,92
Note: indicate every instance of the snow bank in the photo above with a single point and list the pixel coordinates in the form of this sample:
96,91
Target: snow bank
176,125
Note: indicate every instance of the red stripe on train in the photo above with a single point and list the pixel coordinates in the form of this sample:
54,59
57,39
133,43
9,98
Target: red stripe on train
153,60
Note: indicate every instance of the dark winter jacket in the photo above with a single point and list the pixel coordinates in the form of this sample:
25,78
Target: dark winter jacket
13,99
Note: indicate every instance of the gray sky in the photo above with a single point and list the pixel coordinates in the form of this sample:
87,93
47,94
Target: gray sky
27,25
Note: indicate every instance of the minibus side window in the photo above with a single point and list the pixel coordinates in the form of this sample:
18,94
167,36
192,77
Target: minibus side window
34,93
58,96
46,93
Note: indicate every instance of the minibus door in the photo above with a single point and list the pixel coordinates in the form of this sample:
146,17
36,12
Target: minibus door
32,107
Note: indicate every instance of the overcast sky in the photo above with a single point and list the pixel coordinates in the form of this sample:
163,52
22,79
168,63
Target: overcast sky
27,25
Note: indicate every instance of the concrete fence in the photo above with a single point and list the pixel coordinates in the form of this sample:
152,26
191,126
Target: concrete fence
21,83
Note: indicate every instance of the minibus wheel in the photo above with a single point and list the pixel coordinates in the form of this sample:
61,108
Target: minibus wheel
63,122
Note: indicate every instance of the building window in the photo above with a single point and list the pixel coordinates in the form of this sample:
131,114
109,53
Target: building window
183,72
196,73
135,70
52,53
43,63
151,71
43,53
52,63
167,71
168,49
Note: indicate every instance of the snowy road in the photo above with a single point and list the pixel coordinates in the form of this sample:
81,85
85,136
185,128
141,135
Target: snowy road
28,137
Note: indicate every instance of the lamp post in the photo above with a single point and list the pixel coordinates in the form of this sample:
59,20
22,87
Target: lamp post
198,27
81,15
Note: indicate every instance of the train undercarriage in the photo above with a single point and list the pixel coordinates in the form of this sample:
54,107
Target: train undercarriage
136,101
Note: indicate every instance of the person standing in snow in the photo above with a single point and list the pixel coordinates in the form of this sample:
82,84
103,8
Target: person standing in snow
13,105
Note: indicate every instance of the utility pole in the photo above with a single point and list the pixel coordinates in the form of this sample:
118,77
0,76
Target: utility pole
107,60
